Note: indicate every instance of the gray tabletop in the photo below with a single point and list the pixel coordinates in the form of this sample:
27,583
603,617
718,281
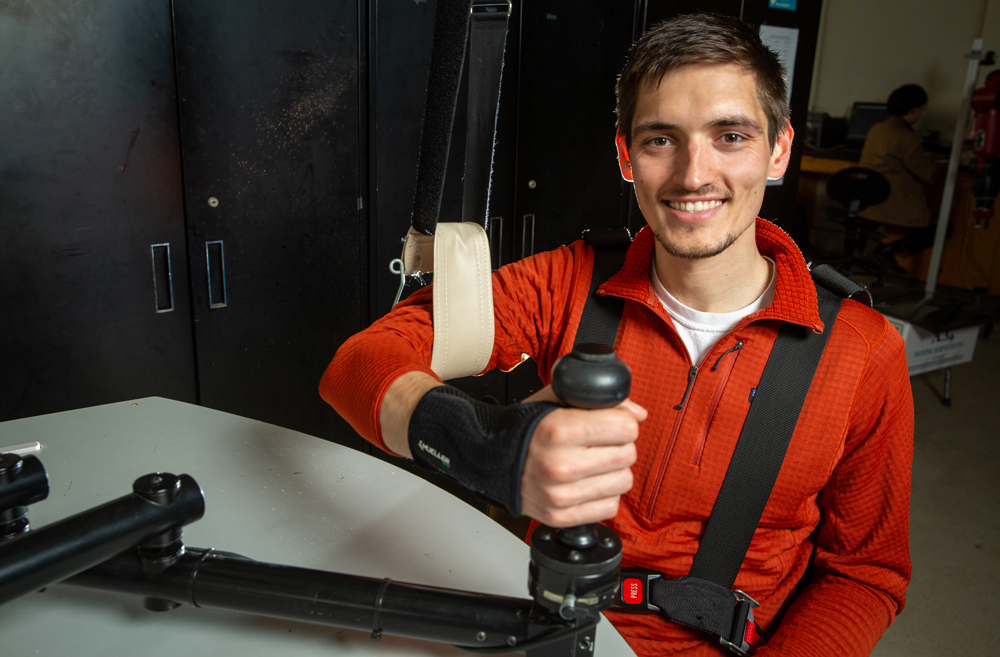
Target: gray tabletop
271,494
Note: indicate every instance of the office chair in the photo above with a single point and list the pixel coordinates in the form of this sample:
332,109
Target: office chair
857,188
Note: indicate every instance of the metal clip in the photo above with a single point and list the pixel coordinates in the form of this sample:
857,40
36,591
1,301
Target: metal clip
491,7
742,620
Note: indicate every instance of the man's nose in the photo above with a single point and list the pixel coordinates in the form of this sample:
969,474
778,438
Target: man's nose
696,167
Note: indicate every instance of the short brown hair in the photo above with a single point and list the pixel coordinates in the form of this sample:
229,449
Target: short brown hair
702,39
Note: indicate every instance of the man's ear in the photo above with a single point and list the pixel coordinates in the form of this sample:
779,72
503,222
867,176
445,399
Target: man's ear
781,152
623,157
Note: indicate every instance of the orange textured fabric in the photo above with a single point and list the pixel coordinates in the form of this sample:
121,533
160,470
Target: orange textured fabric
829,561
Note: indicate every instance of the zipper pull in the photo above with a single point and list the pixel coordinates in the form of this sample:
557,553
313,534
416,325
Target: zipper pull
691,374
736,347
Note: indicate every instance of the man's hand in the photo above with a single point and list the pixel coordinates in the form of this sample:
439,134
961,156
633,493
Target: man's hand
578,463
578,460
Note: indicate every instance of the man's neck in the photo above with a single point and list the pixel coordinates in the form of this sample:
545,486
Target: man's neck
724,283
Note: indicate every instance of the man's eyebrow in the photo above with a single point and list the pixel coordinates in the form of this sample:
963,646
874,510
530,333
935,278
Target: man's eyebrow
653,126
737,122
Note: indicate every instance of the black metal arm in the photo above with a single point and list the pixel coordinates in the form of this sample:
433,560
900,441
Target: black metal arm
152,516
133,545
208,578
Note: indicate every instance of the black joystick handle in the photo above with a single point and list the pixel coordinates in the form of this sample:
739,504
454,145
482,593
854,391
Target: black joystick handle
574,571
591,376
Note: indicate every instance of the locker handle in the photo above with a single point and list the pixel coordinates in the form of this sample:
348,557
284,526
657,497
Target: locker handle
215,265
163,281
528,236
496,241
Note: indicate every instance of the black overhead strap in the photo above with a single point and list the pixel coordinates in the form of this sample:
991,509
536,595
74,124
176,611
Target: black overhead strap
486,46
451,33
453,22
602,314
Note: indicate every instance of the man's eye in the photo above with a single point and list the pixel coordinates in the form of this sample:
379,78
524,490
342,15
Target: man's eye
659,141
732,138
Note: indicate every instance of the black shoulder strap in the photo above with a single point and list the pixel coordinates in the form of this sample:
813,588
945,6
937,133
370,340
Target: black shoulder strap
760,450
601,314
705,599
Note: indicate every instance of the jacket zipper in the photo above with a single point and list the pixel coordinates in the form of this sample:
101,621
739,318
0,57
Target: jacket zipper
723,381
692,373
655,490
682,408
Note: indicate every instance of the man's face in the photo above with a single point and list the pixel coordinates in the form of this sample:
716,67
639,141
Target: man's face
700,158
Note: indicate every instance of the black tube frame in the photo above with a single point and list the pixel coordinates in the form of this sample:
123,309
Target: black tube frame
132,545
209,578
44,556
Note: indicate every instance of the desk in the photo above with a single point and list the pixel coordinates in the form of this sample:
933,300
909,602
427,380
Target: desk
271,494
828,166
971,256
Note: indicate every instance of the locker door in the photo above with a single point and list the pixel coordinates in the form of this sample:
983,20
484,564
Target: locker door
270,131
94,303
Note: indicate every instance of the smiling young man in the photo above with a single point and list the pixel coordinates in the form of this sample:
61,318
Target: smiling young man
702,125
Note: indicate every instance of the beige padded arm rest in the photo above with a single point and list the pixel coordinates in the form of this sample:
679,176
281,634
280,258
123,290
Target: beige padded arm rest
459,256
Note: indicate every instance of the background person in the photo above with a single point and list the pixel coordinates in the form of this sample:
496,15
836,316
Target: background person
896,151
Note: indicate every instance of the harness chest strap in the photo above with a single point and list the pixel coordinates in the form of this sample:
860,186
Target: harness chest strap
705,599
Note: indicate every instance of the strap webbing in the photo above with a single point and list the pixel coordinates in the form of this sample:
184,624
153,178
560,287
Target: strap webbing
762,444
704,599
451,35
602,314
486,54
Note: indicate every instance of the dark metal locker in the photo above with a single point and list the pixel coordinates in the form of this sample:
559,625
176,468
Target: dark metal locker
93,278
270,123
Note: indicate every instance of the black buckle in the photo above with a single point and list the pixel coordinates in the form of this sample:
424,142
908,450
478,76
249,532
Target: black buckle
634,586
744,630
494,7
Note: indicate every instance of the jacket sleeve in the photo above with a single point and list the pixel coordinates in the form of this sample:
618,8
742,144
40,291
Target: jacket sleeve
861,562
531,303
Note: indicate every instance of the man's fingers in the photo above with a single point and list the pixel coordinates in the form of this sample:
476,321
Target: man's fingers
638,412
563,496
593,511
578,463
587,428
561,468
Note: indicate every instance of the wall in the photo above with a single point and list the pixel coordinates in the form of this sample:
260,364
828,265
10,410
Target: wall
867,48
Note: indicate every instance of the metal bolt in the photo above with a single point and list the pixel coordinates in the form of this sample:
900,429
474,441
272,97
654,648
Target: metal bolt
480,636
532,184
608,542
545,536
574,555
213,202
512,641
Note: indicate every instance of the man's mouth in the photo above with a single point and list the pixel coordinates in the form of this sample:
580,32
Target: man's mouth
695,206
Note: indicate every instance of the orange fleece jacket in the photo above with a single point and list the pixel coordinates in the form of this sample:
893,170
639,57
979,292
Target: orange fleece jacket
829,561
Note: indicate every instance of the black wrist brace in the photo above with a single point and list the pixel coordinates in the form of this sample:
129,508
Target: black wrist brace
481,446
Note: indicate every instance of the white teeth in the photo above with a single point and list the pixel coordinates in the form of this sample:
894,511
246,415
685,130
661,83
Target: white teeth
697,206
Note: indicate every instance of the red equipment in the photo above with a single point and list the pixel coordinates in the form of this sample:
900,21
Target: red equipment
986,147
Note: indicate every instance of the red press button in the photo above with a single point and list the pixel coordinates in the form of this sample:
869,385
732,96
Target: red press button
632,592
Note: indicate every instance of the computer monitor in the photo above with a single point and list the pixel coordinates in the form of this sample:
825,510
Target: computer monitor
863,117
